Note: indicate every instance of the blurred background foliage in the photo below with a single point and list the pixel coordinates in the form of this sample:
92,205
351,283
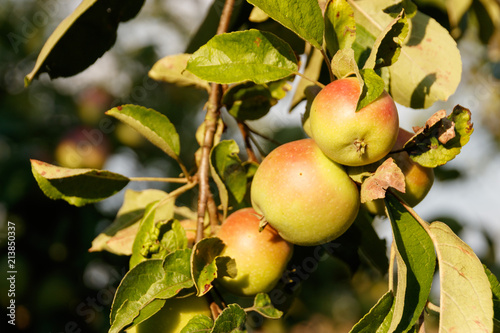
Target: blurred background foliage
60,286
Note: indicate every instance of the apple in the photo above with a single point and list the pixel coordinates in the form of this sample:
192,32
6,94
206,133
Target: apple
261,256
174,315
308,198
418,179
83,147
349,137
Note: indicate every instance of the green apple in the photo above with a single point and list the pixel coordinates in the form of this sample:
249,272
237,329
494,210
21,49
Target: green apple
174,315
418,179
261,257
308,198
349,137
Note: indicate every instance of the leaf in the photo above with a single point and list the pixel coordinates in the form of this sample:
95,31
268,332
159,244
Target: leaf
147,281
232,319
340,27
373,87
495,290
429,66
388,174
146,312
442,138
466,298
228,172
76,186
82,37
147,242
301,16
119,236
171,69
175,236
153,125
204,263
344,64
415,261
199,323
248,101
373,319
263,305
249,55
387,47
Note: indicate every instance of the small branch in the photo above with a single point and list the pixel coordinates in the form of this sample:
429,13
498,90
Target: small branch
211,118
212,213
328,64
319,84
159,179
185,171
175,193
246,138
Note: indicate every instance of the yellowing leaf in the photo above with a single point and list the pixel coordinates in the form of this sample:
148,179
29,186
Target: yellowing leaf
466,300
388,174
171,69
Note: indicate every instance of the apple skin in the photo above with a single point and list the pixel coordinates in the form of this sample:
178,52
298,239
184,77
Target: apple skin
174,315
308,198
349,137
261,257
418,179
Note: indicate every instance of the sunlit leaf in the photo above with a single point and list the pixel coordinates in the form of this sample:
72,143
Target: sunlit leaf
373,87
262,304
415,262
119,236
388,174
147,281
76,186
344,64
204,264
232,319
153,125
466,299
82,37
249,55
340,28
171,69
301,16
442,138
199,323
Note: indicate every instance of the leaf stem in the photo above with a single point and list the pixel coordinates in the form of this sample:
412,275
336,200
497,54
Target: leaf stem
159,179
328,64
246,138
211,118
180,190
319,84
263,136
433,307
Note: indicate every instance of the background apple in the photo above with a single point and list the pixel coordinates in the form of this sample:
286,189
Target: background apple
349,137
261,257
303,194
174,315
418,179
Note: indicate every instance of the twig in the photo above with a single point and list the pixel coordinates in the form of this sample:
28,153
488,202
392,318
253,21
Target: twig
246,138
212,213
159,179
175,193
211,118
328,64
319,84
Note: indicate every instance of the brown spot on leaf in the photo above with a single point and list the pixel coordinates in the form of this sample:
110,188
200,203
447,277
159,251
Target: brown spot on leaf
388,174
119,108
257,41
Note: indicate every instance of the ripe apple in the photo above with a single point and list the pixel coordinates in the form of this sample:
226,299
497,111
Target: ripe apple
418,179
308,198
261,257
349,137
174,315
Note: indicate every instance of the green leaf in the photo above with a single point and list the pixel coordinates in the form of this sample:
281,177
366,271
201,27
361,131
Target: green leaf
495,290
232,319
301,16
228,172
387,47
248,101
175,236
146,312
148,281
429,66
199,323
76,186
442,138
249,55
415,261
466,298
171,69
204,263
373,319
263,305
153,125
340,27
373,87
344,64
119,236
147,242
82,37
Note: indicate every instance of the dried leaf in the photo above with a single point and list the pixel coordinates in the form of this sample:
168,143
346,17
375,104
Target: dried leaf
388,174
